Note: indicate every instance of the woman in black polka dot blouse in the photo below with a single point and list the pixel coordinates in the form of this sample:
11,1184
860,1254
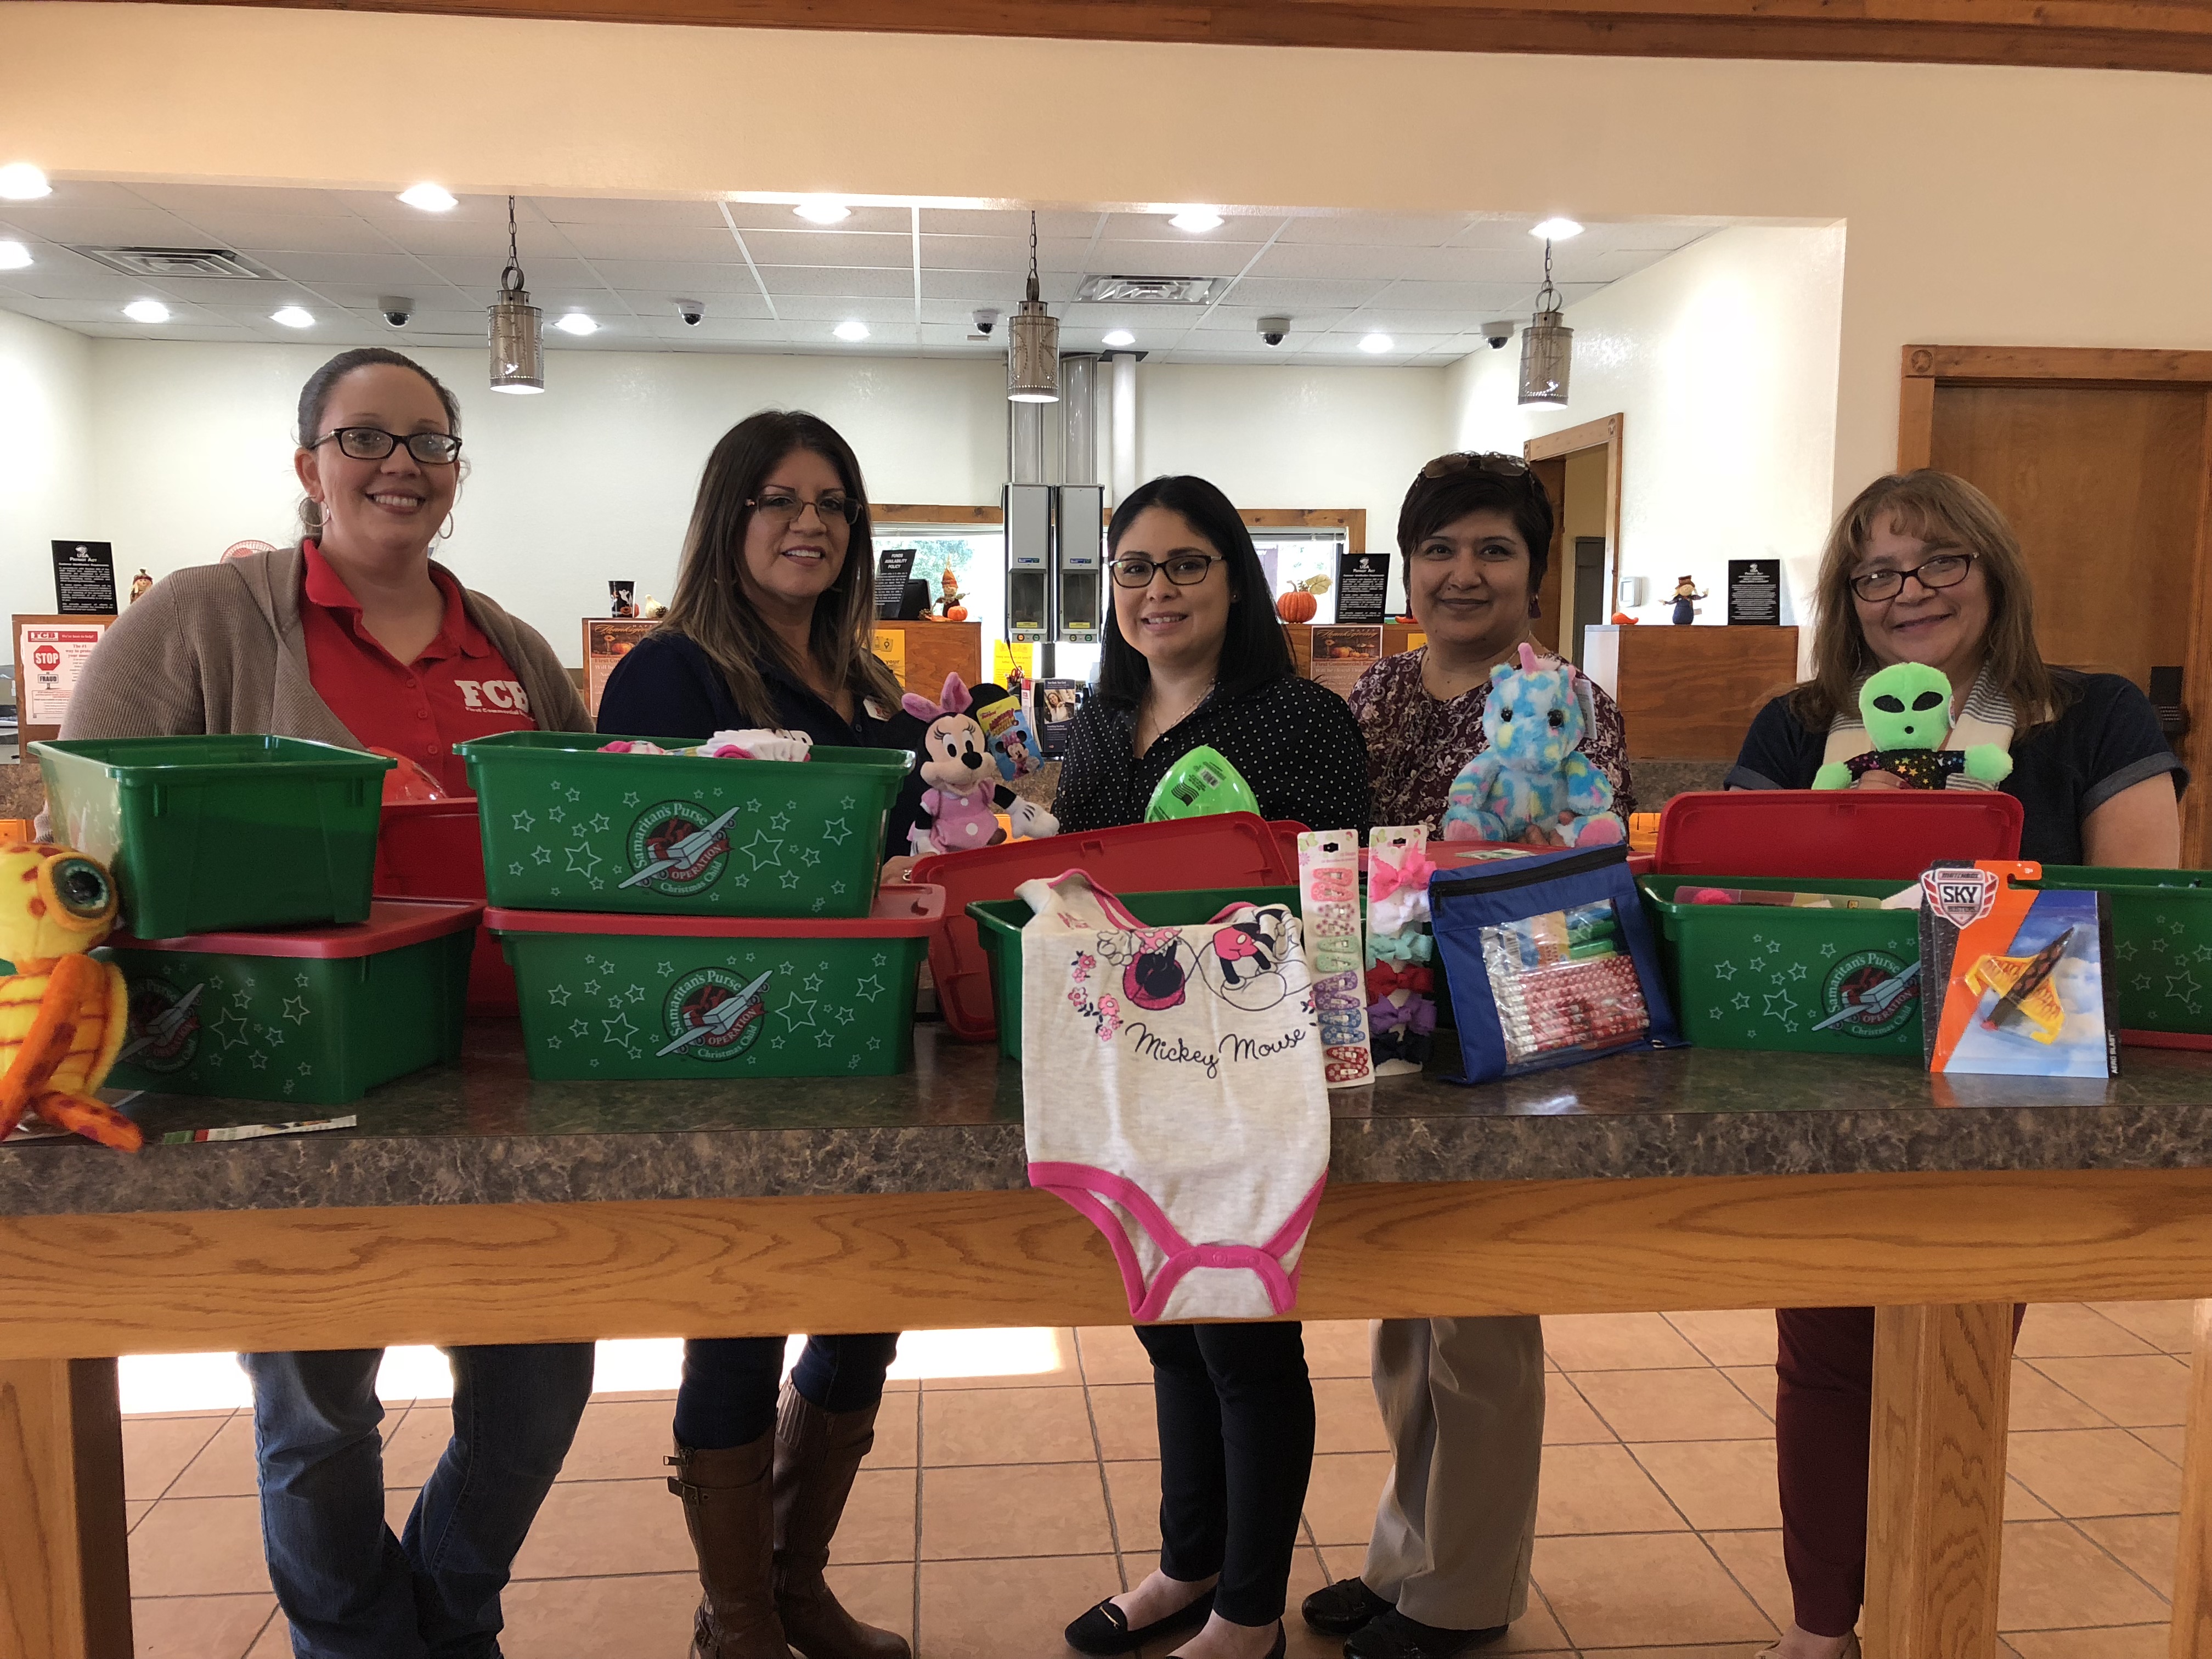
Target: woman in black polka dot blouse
1194,656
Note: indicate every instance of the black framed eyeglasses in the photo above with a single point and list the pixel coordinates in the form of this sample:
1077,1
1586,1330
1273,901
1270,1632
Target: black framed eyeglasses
1469,460
1183,569
780,506
374,443
1944,571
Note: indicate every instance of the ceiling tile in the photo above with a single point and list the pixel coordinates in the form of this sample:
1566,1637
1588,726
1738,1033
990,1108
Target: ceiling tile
858,280
670,277
1372,230
725,304
828,248
1292,294
623,211
808,307
1196,257
704,244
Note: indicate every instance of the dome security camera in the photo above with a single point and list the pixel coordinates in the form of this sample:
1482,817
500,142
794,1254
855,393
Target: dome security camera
395,311
985,321
1273,330
1497,333
691,312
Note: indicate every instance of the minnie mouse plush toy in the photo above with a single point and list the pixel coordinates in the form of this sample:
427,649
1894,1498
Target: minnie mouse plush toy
959,809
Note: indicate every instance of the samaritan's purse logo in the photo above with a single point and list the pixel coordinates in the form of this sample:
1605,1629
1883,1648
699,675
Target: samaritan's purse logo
712,1014
1869,993
1961,897
164,1033
676,847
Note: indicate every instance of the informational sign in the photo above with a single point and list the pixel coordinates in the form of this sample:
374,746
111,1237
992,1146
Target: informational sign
890,646
1363,587
606,643
1057,701
84,579
1755,592
893,566
1013,662
50,654
1341,655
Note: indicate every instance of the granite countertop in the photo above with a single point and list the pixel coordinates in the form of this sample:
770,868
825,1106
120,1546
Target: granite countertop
483,1133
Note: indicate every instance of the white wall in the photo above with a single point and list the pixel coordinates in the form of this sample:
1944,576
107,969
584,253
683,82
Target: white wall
45,458
594,479
1724,359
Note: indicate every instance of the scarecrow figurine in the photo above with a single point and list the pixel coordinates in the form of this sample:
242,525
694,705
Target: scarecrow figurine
1685,598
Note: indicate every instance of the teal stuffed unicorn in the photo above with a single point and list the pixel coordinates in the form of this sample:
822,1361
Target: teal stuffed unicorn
1531,774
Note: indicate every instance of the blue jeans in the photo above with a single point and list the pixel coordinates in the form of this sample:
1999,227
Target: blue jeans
728,1393
350,1589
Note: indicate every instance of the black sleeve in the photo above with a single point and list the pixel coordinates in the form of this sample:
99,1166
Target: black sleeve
661,689
2118,741
1779,752
1333,790
903,731
1084,799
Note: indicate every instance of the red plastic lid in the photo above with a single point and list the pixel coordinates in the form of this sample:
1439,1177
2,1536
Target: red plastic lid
1226,849
1847,835
902,911
393,924
449,807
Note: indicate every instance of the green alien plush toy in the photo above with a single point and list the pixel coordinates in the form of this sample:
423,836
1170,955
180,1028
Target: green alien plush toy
1906,708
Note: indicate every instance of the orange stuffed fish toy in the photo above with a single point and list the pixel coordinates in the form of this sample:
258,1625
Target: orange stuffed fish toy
62,1014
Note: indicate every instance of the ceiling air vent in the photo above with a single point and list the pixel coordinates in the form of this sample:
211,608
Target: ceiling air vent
1150,290
166,263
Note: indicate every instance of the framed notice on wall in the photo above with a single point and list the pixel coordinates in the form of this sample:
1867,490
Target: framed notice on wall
1362,587
1341,655
50,655
1755,592
84,579
607,640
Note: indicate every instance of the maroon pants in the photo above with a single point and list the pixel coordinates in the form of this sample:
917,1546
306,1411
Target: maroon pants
1823,1404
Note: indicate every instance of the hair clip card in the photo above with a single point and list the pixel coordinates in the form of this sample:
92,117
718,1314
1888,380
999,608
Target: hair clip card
1328,893
2018,976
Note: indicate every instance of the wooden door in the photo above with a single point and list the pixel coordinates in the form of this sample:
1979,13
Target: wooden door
2106,486
1551,471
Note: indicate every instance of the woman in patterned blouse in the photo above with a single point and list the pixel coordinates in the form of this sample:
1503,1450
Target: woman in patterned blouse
1475,532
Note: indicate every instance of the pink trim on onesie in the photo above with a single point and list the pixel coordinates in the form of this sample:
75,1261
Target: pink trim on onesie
1090,1189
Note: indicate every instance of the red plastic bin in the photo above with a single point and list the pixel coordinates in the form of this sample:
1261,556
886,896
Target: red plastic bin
434,849
1842,834
1224,849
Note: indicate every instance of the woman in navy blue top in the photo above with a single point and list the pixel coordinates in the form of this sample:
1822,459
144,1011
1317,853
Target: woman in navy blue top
770,626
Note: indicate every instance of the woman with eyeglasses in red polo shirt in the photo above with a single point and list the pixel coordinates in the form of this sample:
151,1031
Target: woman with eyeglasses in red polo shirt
356,637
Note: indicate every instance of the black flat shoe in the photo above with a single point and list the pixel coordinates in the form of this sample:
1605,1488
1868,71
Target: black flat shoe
1394,1636
1104,1629
1344,1606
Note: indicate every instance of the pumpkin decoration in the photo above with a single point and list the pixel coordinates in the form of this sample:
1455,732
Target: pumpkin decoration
956,613
1297,606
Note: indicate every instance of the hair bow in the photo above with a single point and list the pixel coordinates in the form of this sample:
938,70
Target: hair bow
1416,1019
1401,947
1383,979
1384,879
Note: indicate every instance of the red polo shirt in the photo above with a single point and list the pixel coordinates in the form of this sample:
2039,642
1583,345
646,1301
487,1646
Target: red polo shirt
460,688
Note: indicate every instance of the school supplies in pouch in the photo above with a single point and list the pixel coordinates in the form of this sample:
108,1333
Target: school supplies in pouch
1172,1093
2018,979
1550,961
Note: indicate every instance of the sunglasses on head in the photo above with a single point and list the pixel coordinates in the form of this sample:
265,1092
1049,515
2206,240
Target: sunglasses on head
1497,465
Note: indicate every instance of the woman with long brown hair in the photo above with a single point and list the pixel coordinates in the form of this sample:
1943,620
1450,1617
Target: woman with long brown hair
1922,568
769,627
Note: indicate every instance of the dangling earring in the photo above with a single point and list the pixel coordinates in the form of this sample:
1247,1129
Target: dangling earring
1536,605
446,531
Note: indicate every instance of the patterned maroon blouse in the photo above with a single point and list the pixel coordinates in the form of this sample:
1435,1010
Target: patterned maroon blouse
1416,744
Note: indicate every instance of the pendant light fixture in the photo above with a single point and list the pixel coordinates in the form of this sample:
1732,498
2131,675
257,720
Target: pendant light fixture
518,348
1033,344
1547,347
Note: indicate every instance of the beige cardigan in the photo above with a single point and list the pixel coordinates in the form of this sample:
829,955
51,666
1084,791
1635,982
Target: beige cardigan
219,648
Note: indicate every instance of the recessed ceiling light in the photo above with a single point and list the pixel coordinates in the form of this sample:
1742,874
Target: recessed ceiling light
146,311
14,255
431,198
822,210
577,322
1556,230
21,182
1374,345
1196,219
1120,336
851,329
294,316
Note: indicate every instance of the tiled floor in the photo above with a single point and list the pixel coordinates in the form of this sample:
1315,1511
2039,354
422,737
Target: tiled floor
996,1508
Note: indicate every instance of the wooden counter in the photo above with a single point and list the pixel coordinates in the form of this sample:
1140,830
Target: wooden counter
1689,693
929,651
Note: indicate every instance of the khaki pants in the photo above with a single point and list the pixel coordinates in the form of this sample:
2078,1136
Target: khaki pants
1463,1402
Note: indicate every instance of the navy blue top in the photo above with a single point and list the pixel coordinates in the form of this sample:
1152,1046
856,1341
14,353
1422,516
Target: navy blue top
2107,740
667,686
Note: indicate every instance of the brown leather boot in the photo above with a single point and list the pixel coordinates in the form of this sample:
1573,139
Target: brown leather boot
727,1506
817,1453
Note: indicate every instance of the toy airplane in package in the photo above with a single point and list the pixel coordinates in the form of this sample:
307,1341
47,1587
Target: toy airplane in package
2019,975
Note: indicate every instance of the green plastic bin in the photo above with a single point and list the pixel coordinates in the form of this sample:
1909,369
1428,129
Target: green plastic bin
714,999
1802,982
209,833
999,923
2161,972
319,1017
568,828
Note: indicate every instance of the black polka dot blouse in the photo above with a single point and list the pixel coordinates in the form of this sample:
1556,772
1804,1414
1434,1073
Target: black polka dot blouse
1295,742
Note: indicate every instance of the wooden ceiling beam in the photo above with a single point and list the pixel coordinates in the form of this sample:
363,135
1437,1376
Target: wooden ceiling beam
2119,34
